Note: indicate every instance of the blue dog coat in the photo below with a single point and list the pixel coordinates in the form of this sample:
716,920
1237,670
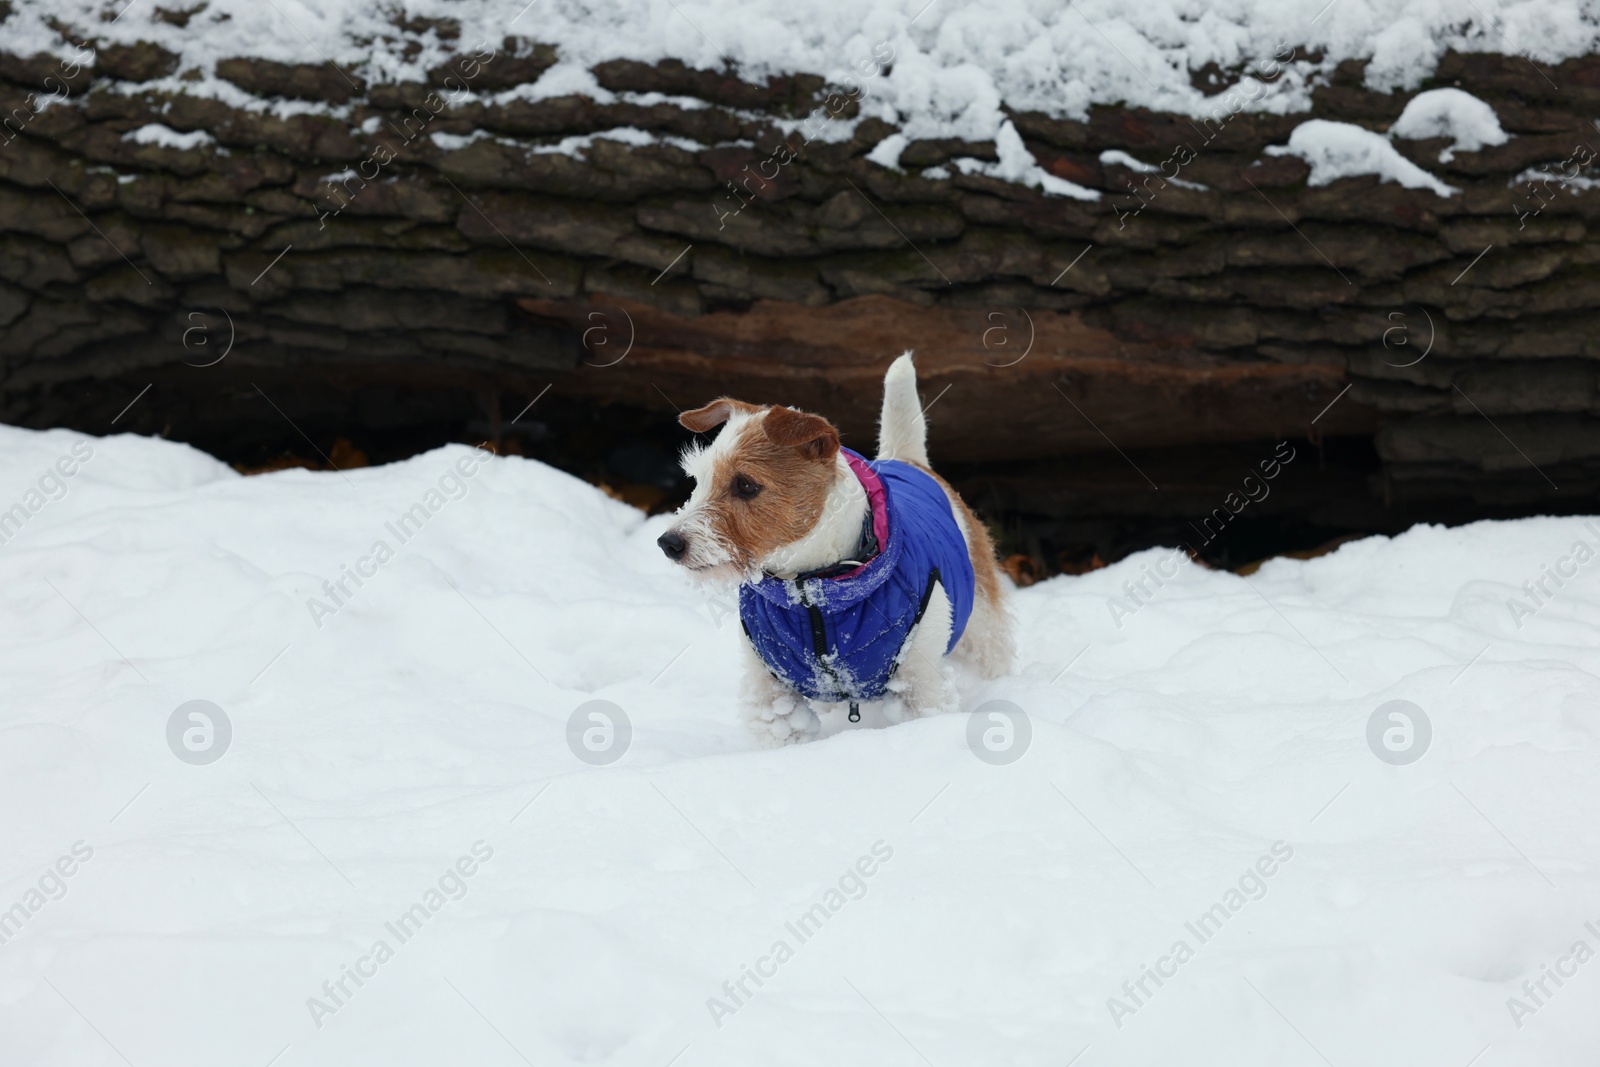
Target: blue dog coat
835,637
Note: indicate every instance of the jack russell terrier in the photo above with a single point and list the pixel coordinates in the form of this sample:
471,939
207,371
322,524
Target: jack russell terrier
856,577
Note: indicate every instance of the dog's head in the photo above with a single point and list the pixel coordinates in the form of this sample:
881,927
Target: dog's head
760,485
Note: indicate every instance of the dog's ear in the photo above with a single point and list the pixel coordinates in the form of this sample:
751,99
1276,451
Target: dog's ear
812,434
714,414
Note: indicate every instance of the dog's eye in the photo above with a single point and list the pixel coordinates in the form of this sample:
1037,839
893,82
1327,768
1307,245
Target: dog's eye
744,488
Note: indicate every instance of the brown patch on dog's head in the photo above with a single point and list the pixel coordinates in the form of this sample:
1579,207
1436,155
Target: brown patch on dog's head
813,435
759,486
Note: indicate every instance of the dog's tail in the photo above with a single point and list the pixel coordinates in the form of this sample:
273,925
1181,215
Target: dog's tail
902,432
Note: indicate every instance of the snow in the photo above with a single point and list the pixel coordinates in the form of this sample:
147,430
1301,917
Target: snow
1470,123
1118,158
956,65
408,754
1342,150
1017,165
950,69
166,137
578,145
886,153
1544,178
452,142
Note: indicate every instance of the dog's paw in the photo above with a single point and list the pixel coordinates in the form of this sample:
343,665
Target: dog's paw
934,694
788,720
894,708
942,701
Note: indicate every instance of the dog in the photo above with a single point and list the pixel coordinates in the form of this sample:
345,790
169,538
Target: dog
856,578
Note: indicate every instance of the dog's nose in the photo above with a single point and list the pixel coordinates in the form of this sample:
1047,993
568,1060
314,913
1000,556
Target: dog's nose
673,544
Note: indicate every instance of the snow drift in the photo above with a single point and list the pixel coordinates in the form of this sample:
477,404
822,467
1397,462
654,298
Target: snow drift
399,860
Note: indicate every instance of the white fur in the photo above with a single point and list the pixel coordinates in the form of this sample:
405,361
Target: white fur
902,431
776,714
707,548
923,680
836,533
987,645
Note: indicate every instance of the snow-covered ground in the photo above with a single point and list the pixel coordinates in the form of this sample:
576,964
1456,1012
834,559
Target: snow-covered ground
403,751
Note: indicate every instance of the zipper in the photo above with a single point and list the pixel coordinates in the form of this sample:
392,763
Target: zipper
819,638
